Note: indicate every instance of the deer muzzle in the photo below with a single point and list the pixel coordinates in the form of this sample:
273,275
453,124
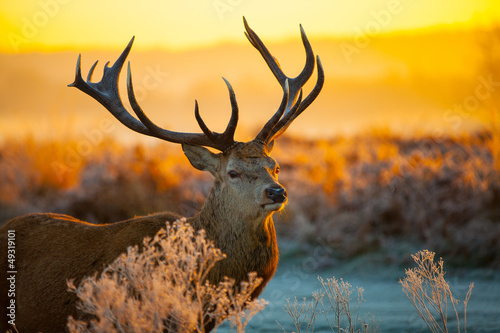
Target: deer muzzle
276,194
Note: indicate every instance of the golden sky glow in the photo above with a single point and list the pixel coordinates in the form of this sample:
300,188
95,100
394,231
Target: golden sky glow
47,25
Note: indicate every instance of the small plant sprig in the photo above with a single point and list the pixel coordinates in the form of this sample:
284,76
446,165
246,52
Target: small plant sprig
338,302
428,291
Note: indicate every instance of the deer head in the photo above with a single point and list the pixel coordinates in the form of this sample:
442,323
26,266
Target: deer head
244,172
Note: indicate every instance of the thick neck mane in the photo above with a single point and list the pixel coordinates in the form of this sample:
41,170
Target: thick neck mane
249,242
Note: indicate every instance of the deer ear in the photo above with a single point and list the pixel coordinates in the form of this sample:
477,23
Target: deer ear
201,158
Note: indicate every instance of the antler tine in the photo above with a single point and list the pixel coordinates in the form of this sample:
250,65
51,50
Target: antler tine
106,92
227,137
282,126
284,122
201,123
316,90
271,61
233,121
156,131
268,127
295,84
285,115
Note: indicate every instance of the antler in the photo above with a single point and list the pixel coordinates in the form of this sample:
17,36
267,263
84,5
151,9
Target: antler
292,104
106,92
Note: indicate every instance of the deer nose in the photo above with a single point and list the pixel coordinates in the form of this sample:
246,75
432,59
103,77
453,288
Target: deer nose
276,194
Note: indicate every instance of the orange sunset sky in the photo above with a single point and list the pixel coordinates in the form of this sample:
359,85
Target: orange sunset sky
388,63
47,25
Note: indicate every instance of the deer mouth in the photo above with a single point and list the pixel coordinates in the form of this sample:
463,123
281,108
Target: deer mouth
273,207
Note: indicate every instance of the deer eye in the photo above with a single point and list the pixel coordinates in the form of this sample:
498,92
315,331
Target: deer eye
233,174
277,170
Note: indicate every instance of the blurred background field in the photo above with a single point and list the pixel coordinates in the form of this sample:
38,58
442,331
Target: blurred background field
374,192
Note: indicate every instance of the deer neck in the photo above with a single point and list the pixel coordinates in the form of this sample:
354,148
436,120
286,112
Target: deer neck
222,218
248,241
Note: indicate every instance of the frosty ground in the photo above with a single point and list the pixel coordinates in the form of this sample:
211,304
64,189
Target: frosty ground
385,302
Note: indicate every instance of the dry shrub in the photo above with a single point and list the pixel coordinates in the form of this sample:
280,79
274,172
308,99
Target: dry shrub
339,312
428,291
162,286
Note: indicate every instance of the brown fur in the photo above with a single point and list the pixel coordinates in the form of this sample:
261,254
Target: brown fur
54,248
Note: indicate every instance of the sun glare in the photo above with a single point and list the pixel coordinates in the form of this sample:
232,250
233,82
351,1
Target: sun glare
51,25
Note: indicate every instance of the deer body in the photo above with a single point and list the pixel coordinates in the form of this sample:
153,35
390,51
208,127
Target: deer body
237,215
52,248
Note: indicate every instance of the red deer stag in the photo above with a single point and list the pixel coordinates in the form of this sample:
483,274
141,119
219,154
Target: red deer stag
237,215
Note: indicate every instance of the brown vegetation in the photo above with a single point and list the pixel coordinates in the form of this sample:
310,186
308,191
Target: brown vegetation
375,191
360,194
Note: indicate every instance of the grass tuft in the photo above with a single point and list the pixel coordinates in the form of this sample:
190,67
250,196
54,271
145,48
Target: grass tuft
333,303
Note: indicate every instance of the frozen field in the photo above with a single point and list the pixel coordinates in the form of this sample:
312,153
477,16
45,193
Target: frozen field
385,301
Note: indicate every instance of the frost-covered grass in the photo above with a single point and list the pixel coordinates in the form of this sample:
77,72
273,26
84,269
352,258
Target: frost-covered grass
337,305
428,291
332,304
